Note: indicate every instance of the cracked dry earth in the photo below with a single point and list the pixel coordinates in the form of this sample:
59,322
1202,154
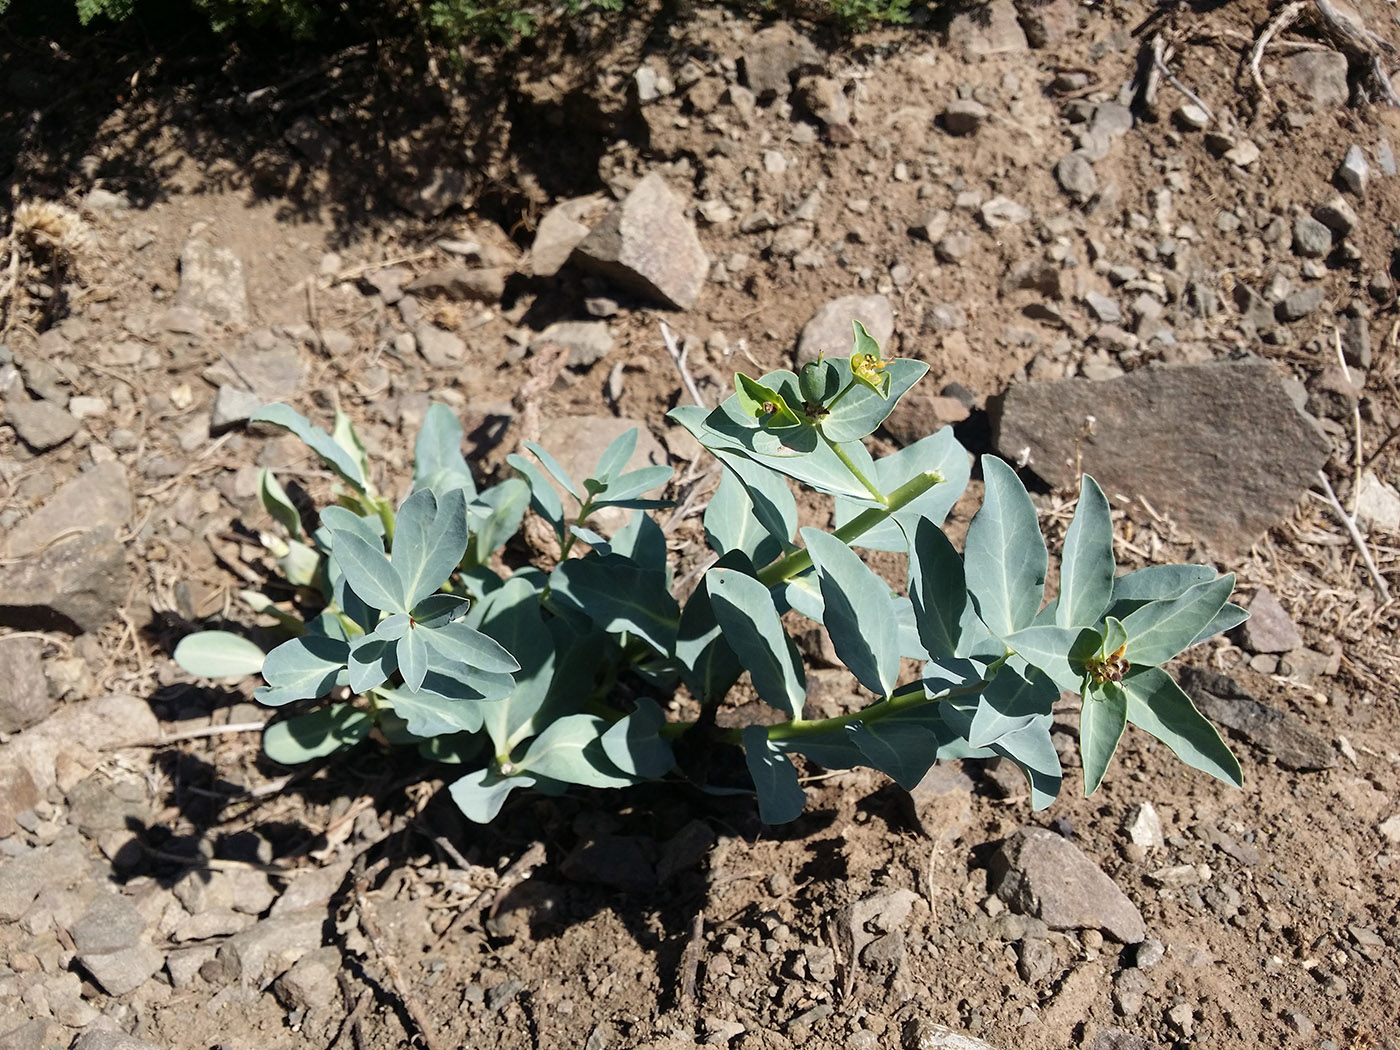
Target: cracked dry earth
1025,199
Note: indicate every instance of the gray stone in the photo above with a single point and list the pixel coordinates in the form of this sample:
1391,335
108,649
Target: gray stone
1000,212
1103,307
311,982
964,116
58,866
942,802
989,29
101,803
1222,699
270,367
461,283
1219,446
823,100
1319,76
1036,872
1311,239
1129,988
73,734
24,692
309,889
76,585
269,948
1191,117
184,964
646,245
443,188
561,230
99,496
1112,119
773,57
1144,826
1076,176
1385,157
1118,1039
214,922
1257,312
1378,504
1299,305
919,1034
588,342
830,330
1356,342
1337,215
45,381
211,281
953,247
1354,172
233,406
41,425
184,320
111,923
102,1039
1269,628
122,972
1035,959
1243,153
440,348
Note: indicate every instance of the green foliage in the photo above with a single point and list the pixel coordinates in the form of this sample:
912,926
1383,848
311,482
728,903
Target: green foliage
411,629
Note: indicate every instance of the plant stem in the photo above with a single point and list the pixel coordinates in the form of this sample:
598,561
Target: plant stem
856,472
385,510
583,512
799,561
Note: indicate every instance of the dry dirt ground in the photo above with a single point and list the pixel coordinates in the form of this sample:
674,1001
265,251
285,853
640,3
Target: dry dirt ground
1271,911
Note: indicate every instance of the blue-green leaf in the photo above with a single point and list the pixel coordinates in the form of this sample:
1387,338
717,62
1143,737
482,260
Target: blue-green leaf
556,471
368,571
861,411
904,751
1159,630
481,793
780,795
302,669
1101,723
858,612
734,521
939,453
429,541
511,616
1229,617
937,589
1010,703
543,498
615,456
438,463
1005,557
571,749
618,596
373,661
634,744
218,654
339,519
1157,705
642,541
745,611
495,516
709,665
443,705
1158,581
626,489
316,734
276,502
412,653
1086,567
436,610
1032,749
1059,652
321,443
457,643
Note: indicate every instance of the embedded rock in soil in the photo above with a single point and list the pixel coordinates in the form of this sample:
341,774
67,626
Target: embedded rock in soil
100,496
1269,628
1311,239
1036,872
440,348
39,424
272,946
63,748
461,283
773,57
269,366
588,342
646,245
1222,699
621,862
102,1039
989,29
24,695
1354,171
233,406
110,924
964,116
1118,1039
1378,504
942,802
18,792
73,586
1221,446
919,1034
561,230
1319,76
830,330
1076,176
211,281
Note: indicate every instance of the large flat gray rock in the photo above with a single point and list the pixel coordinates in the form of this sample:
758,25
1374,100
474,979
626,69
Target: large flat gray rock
76,585
100,496
647,246
1220,447
211,281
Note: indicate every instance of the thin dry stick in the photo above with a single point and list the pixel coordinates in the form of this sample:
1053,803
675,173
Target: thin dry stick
1286,17
517,873
1161,65
690,960
1356,537
190,734
1355,419
678,355
365,911
352,1020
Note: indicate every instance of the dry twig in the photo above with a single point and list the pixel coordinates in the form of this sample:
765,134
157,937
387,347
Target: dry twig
1356,537
369,925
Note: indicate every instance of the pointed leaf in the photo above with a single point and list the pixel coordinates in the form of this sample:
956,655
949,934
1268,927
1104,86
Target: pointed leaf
1010,703
619,596
710,666
373,661
626,489
1157,705
321,443
442,706
218,654
1059,652
858,612
302,669
412,652
937,589
902,751
1086,566
1005,557
1228,618
1101,723
634,744
1161,629
316,734
780,796
745,611
756,515
460,644
571,749
277,503
368,571
615,456
438,463
511,616
938,453
429,541
544,500
860,412
556,471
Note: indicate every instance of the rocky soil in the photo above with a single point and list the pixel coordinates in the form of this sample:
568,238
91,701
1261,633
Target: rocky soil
1116,250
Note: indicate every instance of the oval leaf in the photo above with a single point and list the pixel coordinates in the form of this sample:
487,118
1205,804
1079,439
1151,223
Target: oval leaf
219,654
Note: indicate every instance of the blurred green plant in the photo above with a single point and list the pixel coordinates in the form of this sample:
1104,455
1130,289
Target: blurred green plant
546,679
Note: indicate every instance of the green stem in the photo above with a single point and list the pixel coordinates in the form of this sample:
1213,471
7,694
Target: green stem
797,562
584,510
385,510
856,472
